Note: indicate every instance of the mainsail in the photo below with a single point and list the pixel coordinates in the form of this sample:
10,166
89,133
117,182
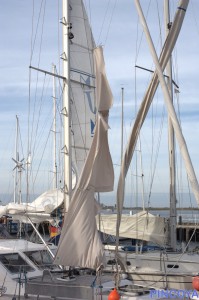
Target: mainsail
83,106
80,243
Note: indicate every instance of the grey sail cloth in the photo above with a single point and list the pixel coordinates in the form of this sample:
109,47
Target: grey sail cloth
142,225
145,105
80,243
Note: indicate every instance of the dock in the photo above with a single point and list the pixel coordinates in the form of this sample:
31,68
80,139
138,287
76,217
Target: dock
186,231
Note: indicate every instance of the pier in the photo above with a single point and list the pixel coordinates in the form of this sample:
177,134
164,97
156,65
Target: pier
186,230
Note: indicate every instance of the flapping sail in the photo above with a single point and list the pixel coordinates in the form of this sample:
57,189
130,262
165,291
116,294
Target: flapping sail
80,244
145,105
83,106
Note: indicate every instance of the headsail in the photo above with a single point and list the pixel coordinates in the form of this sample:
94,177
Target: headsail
80,243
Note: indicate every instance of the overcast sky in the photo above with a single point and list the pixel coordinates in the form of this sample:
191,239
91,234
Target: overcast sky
115,26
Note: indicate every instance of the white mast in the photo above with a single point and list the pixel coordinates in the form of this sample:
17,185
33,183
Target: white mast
16,158
54,131
142,173
66,103
171,139
122,124
18,168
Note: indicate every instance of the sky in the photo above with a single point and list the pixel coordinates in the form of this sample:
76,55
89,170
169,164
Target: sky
116,27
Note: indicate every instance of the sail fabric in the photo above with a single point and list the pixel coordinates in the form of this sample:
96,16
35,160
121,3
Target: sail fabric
143,226
171,112
145,105
80,243
38,211
82,85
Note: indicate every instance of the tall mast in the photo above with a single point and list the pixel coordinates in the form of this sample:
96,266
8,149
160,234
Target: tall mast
122,124
54,131
66,104
16,158
171,140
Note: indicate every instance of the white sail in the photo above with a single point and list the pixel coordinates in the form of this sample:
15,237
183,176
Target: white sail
83,106
80,244
38,211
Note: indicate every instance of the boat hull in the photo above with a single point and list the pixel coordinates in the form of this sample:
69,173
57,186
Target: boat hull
157,270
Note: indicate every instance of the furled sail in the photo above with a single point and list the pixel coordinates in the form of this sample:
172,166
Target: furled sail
80,243
143,226
83,106
38,211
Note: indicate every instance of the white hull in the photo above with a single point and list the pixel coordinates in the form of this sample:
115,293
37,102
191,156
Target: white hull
17,256
20,260
157,270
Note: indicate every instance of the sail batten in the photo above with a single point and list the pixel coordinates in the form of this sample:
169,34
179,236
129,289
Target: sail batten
82,72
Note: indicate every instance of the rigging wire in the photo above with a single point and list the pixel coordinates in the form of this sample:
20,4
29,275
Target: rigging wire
194,11
37,125
109,26
142,34
154,116
103,22
37,172
156,156
29,101
160,30
33,134
37,27
104,26
179,168
38,64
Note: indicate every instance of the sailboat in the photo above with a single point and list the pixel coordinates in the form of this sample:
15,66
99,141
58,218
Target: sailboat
80,245
163,269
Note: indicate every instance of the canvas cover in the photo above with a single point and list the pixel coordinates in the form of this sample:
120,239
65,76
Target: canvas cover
142,225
